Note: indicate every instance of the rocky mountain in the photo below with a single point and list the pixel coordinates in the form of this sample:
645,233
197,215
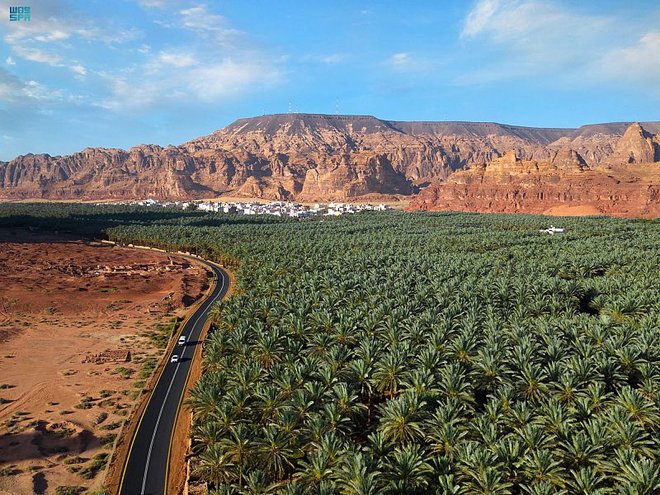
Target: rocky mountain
332,157
626,184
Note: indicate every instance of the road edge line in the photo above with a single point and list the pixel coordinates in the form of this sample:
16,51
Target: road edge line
203,333
157,376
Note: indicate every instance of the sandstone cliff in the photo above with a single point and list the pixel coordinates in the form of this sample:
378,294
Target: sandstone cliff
627,185
328,157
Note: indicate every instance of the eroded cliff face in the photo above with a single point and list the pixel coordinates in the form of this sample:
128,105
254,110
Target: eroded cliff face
328,157
564,186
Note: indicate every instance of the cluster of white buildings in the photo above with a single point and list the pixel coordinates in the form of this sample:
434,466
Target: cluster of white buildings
290,209
277,208
154,202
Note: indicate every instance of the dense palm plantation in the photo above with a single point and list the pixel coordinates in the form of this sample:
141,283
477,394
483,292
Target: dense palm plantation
424,353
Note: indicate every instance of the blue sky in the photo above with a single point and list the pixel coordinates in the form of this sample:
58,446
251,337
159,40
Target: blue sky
119,73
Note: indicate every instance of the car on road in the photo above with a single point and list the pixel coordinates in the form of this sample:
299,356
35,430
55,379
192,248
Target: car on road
174,358
182,340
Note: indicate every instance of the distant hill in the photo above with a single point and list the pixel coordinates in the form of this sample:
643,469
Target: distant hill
317,157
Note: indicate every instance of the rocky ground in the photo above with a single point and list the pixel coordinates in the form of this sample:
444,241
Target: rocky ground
81,326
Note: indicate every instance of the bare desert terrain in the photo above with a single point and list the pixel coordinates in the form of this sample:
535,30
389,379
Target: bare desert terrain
82,326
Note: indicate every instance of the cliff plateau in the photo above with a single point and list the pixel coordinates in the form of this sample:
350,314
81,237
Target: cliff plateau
310,157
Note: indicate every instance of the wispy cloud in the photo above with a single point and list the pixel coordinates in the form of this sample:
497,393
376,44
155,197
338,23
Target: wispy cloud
413,65
55,35
38,91
333,58
479,17
38,55
328,59
202,20
217,62
529,38
16,91
230,77
49,38
639,61
177,59
155,82
79,69
400,59
157,4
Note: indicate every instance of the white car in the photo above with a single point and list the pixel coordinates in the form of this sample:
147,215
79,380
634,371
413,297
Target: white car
182,340
174,358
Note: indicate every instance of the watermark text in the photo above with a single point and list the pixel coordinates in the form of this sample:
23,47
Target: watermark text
19,14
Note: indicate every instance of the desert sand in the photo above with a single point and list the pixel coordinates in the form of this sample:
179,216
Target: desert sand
79,338
572,211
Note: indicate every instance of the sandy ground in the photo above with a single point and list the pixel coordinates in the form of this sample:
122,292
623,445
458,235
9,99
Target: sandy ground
572,211
75,350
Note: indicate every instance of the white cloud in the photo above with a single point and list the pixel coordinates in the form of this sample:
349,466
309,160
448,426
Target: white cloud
38,91
540,30
217,63
79,69
49,38
400,59
15,91
532,38
333,58
10,61
155,83
203,21
55,35
55,29
199,18
479,17
154,4
411,64
638,62
177,59
108,35
37,55
329,59
230,77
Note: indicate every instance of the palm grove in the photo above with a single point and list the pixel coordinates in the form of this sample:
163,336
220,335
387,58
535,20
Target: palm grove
421,353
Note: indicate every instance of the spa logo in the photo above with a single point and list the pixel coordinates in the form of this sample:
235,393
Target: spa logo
18,14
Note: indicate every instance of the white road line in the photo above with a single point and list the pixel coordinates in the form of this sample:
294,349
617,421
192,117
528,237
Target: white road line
153,437
162,407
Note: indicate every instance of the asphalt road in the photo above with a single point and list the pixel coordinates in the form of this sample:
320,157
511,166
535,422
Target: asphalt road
145,472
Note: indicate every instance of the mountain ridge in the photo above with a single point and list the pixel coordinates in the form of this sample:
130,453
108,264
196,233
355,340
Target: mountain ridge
613,128
322,157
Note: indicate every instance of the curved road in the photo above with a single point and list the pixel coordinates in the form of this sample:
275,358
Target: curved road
145,472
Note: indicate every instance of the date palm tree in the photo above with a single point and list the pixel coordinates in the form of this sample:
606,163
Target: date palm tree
406,471
424,352
216,466
401,419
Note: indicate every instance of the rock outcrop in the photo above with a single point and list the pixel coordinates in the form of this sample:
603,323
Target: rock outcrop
331,157
566,185
637,146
